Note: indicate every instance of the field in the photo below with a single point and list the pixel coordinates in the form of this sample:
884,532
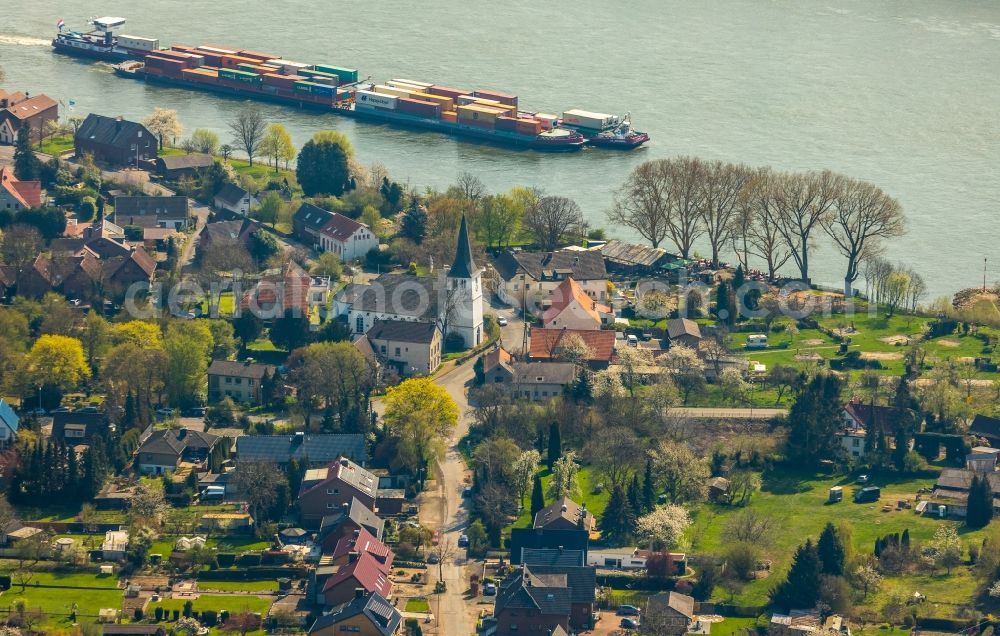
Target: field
90,593
57,145
595,501
232,604
223,544
259,170
798,502
239,586
417,605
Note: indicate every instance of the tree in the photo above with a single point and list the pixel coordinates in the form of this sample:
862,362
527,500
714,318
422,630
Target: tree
618,520
324,164
750,526
814,419
20,245
277,145
633,362
783,379
552,220
742,485
242,623
269,208
895,292
57,361
686,369
664,527
263,486
335,376
27,167
796,205
205,141
524,468
422,415
470,186
555,445
478,541
722,187
830,549
980,506
148,505
414,223
188,350
648,487
163,123
614,451
644,202
868,578
861,217
946,547
734,387
683,474
498,220
800,590
537,497
248,128
226,150
563,482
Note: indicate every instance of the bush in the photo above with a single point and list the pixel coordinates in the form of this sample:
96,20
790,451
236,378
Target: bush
176,615
158,614
248,560
137,614
209,618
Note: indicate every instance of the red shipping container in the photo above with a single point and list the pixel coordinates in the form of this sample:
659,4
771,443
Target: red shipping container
285,81
183,48
418,107
228,50
506,123
503,98
444,91
174,55
262,57
529,126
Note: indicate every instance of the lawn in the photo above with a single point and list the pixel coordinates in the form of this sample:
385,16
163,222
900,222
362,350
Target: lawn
227,305
417,605
733,625
239,586
797,501
588,496
232,604
58,602
57,145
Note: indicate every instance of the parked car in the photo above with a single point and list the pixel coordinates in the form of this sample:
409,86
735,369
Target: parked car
467,491
627,610
463,541
433,558
862,479
489,589
38,411
502,321
164,413
629,623
88,409
198,411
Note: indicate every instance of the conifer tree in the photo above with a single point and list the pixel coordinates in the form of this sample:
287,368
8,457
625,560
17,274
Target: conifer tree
618,519
801,589
980,506
27,167
648,488
555,444
635,495
905,541
830,548
537,497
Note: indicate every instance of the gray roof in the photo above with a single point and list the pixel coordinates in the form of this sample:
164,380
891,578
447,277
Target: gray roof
563,508
345,471
683,326
399,294
175,207
231,193
580,265
986,426
463,266
634,255
91,423
380,612
403,331
312,217
961,479
236,368
110,131
175,441
178,162
357,512
680,603
320,448
552,557
524,589
544,372
227,231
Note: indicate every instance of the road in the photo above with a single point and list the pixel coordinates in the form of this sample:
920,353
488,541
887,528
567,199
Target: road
200,213
444,509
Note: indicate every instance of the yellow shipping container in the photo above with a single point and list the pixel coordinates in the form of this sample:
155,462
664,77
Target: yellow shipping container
447,103
481,113
489,103
398,92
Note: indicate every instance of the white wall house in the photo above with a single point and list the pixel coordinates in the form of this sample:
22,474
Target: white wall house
235,199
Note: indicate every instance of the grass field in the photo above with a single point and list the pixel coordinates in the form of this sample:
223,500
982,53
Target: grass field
232,604
239,586
258,170
57,602
165,545
595,501
733,625
797,501
417,605
57,145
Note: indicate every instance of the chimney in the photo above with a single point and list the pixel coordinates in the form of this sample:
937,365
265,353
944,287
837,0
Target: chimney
343,462
563,508
560,549
353,556
346,507
359,592
357,533
298,438
182,433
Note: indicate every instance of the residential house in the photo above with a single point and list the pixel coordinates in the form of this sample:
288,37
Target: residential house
164,450
276,294
367,614
527,539
632,259
115,141
546,344
534,380
342,523
347,238
239,380
176,166
685,332
9,423
565,514
74,428
16,194
950,496
235,199
672,613
307,222
20,109
147,211
858,419
327,489
572,308
361,541
114,546
337,584
553,557
411,348
530,277
806,623
498,366
535,600
314,449
122,272
35,280
222,234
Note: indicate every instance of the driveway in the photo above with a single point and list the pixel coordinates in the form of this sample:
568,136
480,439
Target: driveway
200,213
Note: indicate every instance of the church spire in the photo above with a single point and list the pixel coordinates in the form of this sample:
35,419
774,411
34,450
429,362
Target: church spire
463,267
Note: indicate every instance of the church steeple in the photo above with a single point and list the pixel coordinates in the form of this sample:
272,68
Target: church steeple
463,267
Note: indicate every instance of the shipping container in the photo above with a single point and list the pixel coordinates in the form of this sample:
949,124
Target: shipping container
548,121
218,49
378,100
259,56
138,44
233,61
447,103
411,82
419,107
506,123
398,92
529,126
450,116
276,63
183,48
472,112
410,87
587,119
211,59
503,98
453,93
346,75
287,81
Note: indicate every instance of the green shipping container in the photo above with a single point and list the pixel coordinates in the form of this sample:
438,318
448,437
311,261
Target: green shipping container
345,74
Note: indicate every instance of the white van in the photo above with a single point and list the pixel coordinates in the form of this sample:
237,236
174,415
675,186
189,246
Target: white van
757,341
632,340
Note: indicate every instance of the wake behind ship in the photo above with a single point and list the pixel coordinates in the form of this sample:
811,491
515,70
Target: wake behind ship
486,115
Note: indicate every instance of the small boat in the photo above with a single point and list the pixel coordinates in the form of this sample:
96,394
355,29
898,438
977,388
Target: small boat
622,136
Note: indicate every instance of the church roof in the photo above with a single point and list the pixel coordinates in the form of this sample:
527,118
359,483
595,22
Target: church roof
463,267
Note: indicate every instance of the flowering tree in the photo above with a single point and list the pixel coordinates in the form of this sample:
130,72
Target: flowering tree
664,527
563,483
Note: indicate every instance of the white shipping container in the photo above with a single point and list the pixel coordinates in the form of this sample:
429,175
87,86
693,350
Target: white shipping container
398,92
587,119
548,121
409,87
138,44
379,100
410,82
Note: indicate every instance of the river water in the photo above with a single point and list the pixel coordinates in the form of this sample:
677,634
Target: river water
905,94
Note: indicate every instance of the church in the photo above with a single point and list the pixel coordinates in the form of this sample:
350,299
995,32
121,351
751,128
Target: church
452,301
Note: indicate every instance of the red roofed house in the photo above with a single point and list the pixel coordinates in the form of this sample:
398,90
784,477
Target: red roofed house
18,195
291,289
362,541
547,344
572,308
337,584
18,109
347,238
325,490
137,267
859,417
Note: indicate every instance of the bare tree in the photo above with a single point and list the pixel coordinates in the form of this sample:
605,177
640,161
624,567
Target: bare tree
248,129
259,483
763,238
916,290
8,517
721,189
20,245
614,451
553,220
471,186
862,215
644,201
750,526
443,550
797,204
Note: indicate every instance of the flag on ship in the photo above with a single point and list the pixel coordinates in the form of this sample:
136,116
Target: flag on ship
61,23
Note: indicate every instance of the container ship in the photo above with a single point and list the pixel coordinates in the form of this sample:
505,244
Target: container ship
485,115
101,43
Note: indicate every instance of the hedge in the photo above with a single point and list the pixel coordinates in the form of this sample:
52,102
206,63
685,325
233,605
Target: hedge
409,564
944,624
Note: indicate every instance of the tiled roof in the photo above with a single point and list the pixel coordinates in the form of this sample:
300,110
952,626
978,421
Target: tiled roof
364,541
403,331
868,415
178,162
544,372
110,131
341,470
231,194
680,603
986,426
563,509
312,217
634,255
91,423
30,107
239,369
581,265
545,343
320,448
552,557
27,193
382,614
399,294
567,292
174,441
340,227
495,356
524,589
365,572
174,207
360,514
683,327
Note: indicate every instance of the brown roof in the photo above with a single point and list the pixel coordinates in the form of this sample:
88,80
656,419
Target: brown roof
32,106
341,227
545,343
564,509
568,291
683,327
494,357
235,368
27,193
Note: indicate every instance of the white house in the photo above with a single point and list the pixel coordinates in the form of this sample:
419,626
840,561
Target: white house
235,199
572,308
347,238
8,424
114,546
532,277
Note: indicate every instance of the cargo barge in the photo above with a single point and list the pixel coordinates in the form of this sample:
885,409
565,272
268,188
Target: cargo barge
480,114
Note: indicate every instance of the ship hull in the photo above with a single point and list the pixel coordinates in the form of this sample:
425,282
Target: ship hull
103,54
